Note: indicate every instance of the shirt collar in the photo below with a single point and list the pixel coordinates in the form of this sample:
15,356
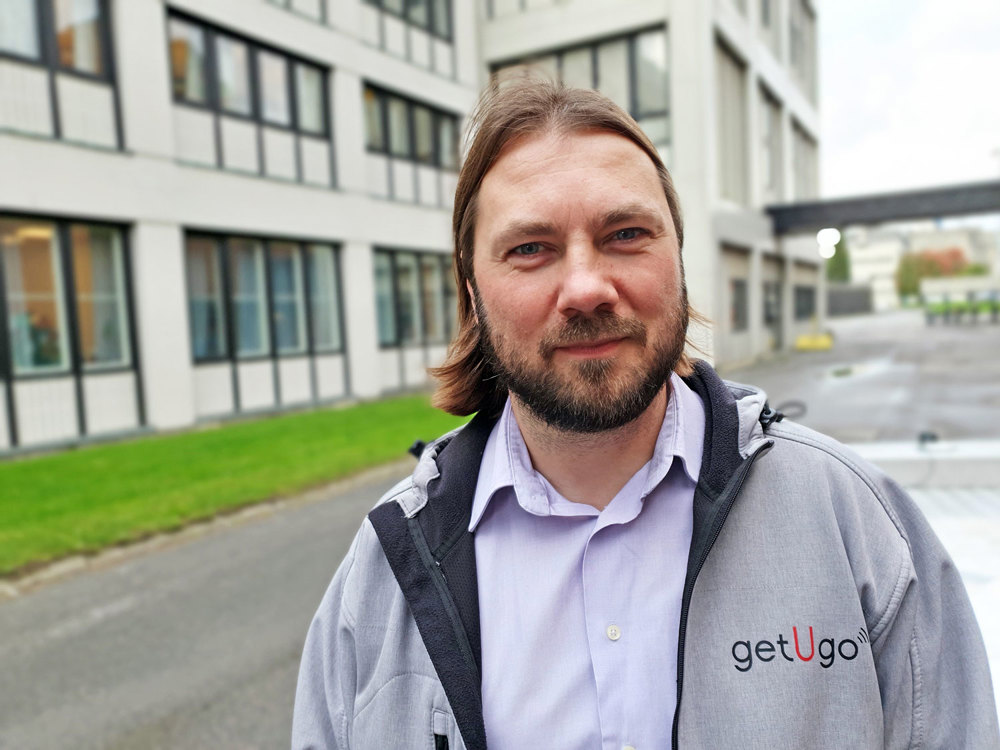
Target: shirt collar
506,462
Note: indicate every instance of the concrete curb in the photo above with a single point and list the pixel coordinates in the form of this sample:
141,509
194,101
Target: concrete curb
66,567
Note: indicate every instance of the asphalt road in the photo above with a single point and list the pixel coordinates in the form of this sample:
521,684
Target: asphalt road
194,646
891,377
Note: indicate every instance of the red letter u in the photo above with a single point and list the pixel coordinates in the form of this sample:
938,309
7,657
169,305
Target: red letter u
812,648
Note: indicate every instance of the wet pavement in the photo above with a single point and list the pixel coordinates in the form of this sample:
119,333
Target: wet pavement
892,377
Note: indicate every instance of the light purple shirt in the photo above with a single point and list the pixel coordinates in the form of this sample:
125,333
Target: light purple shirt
580,608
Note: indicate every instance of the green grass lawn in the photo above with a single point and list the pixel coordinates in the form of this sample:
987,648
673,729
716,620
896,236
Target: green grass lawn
83,500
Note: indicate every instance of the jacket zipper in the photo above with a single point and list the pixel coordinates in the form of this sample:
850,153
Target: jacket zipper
689,587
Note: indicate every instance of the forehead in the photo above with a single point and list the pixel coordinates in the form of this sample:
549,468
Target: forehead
555,171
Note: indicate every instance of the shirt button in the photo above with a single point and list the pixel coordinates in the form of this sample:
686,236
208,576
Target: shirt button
614,633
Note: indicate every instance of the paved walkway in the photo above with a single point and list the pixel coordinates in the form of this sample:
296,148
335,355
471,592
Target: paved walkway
968,523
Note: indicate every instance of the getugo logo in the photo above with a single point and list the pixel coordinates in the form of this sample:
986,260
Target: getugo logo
825,651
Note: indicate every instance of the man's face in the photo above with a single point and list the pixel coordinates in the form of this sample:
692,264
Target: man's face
578,279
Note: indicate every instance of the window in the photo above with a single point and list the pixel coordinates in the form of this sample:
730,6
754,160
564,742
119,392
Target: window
805,302
228,273
806,163
187,61
432,15
407,289
415,298
206,306
65,289
233,73
272,71
287,296
802,45
102,314
249,299
630,70
771,157
310,102
772,304
738,305
423,134
324,286
415,131
285,91
432,298
36,302
399,127
19,28
78,35
385,300
731,127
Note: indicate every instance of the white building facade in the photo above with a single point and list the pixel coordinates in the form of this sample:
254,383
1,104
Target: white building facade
225,207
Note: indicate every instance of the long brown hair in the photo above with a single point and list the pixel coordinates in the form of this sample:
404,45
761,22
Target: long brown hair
466,382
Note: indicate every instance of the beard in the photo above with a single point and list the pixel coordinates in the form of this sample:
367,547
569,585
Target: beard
595,395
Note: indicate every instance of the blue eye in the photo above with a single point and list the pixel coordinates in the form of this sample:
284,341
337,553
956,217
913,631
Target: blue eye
528,248
628,234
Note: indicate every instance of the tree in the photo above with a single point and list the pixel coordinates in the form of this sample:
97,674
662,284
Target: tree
838,268
928,264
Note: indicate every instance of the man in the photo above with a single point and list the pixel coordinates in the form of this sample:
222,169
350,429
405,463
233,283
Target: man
620,550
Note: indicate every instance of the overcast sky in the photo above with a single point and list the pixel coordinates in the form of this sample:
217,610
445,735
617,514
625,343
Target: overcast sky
909,93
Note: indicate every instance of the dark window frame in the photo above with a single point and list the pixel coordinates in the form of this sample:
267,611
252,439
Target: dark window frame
432,20
230,350
421,339
210,72
382,97
739,305
805,298
632,39
77,369
48,50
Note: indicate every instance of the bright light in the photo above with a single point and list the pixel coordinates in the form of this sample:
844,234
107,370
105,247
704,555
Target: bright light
828,237
827,251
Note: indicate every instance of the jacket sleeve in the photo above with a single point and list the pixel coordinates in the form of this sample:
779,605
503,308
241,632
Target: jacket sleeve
929,654
324,696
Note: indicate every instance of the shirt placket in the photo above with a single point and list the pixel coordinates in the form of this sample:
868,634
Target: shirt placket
608,630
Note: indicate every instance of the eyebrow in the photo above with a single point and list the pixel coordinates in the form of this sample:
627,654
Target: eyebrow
518,230
631,212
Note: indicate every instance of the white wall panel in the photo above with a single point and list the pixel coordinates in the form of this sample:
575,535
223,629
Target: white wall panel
377,173
316,161
110,401
24,104
449,181
330,376
420,47
213,390
427,182
415,366
239,145
4,434
86,111
395,35
295,380
403,180
370,23
194,135
256,385
388,367
309,8
279,154
444,62
46,410
506,7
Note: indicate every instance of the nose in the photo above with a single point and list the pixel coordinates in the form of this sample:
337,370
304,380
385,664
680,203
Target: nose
587,284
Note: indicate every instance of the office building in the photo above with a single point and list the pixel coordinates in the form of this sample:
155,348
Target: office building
226,207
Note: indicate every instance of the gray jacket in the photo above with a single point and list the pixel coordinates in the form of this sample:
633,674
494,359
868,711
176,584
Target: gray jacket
820,611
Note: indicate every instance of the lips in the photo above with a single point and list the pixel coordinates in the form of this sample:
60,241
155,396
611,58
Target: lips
595,335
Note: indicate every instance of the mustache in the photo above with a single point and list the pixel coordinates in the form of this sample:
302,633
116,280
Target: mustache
582,329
